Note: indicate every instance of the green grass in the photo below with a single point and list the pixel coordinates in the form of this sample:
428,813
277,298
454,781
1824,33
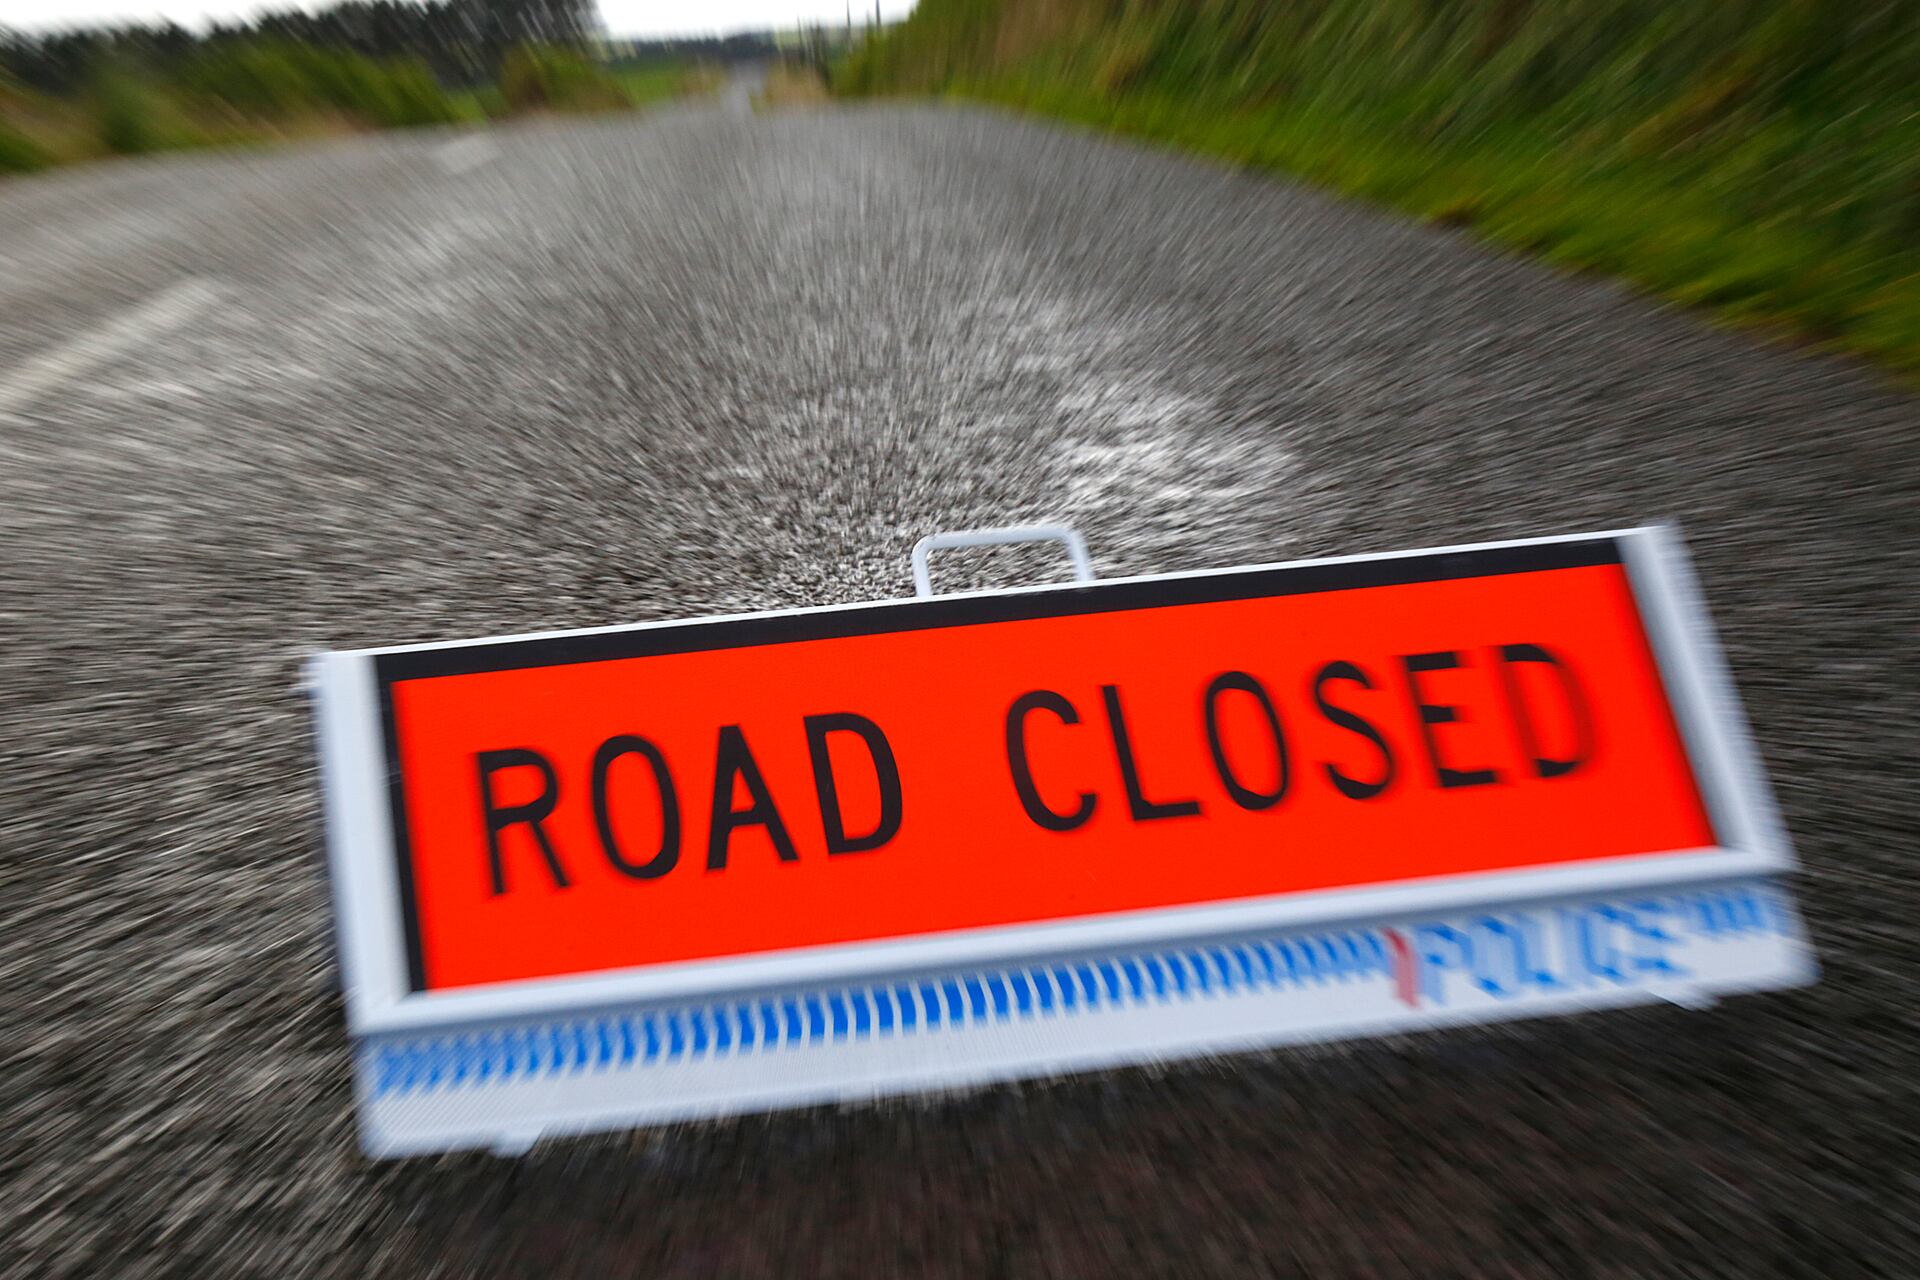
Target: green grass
657,82
1758,157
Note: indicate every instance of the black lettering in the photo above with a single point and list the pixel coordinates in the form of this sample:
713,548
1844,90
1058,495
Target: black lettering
1143,809
1352,788
885,769
1041,700
532,813
668,854
1244,796
734,759
1578,708
1433,713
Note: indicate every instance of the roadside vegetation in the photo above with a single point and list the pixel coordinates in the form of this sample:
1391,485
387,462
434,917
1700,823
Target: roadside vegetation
1758,157
790,84
643,82
83,95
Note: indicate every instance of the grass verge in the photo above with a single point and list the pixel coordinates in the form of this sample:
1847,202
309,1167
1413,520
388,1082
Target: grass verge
1758,159
1669,237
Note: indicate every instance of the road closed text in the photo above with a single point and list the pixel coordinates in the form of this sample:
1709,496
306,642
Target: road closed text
733,788
1245,737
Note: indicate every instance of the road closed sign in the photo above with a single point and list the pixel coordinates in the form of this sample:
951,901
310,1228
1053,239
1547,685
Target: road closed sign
605,877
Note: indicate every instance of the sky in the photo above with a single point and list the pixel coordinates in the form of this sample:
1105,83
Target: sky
623,17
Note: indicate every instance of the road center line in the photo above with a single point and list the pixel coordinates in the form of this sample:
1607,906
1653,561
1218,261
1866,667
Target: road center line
172,306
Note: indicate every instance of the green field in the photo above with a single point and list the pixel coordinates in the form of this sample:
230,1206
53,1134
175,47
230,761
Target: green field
1757,157
658,82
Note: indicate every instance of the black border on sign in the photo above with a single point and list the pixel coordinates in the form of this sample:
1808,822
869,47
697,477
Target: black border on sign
922,615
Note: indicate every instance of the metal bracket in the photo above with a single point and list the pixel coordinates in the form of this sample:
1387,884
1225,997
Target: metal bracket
1076,548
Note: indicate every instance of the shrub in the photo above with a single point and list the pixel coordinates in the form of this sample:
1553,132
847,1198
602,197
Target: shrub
255,79
19,153
277,80
412,96
535,77
133,118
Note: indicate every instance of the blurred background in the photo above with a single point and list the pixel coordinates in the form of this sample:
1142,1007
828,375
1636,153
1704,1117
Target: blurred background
1762,159
331,326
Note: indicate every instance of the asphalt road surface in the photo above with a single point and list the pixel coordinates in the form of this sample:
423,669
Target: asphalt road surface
700,361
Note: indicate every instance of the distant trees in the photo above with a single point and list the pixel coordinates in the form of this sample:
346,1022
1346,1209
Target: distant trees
84,93
748,46
68,95
461,41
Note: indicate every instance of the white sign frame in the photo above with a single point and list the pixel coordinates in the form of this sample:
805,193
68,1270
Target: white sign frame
367,906
500,1066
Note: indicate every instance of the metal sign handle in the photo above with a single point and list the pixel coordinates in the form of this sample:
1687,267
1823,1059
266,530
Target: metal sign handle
1076,548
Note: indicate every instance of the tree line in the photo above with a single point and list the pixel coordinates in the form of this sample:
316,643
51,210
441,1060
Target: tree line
462,41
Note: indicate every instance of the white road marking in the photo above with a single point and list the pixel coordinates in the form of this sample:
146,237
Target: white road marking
172,306
467,153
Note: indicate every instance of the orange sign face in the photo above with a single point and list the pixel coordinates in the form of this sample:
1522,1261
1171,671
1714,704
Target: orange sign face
621,799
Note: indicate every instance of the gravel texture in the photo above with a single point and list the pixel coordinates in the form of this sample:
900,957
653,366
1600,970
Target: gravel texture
702,361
